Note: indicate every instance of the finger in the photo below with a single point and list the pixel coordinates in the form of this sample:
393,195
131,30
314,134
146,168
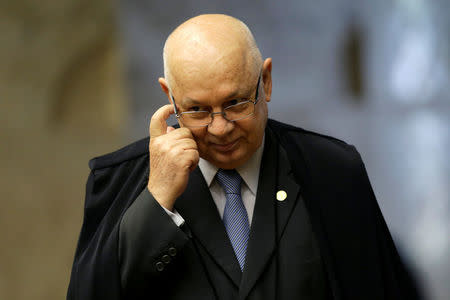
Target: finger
196,159
186,144
192,156
180,133
158,125
169,129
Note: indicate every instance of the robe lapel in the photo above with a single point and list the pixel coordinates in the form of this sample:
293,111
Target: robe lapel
270,215
200,213
287,183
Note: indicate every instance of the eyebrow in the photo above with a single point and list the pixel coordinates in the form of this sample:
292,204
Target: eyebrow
189,101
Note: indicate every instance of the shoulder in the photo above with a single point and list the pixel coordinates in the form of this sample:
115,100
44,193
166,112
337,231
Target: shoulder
318,150
130,152
294,134
117,177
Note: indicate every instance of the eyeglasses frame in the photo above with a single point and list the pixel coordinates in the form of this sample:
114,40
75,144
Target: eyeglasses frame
255,101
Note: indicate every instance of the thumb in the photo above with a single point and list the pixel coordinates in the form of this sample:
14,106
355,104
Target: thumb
158,125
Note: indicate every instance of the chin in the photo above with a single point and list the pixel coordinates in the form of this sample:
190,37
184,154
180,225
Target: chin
231,160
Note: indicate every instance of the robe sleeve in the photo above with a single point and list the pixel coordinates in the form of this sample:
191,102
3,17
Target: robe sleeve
110,193
95,263
398,282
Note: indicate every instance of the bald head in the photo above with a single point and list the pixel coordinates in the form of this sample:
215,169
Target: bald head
208,46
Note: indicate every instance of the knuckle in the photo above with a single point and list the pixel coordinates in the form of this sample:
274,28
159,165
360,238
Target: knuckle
193,155
176,152
189,144
185,131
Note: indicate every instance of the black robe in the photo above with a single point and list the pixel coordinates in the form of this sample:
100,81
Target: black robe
359,257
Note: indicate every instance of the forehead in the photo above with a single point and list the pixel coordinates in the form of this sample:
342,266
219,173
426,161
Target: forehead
199,85
204,66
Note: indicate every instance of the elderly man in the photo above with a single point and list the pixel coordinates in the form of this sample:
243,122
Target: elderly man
231,205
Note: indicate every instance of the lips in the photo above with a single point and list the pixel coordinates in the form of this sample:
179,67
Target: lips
225,147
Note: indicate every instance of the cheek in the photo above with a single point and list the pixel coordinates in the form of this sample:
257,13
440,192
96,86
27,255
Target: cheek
199,137
254,129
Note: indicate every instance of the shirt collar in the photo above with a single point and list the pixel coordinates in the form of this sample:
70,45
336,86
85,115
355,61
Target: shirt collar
249,171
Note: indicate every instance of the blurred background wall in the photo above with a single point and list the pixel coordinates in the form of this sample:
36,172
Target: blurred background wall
79,79
62,101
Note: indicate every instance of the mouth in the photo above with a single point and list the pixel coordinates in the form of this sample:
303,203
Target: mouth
225,147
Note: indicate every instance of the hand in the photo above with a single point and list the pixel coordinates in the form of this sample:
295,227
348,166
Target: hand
173,155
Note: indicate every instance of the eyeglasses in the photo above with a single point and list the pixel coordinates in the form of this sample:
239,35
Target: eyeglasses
244,108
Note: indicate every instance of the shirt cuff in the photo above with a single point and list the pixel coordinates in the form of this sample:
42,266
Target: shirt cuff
175,216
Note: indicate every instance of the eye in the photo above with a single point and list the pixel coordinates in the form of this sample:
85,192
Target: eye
194,108
233,102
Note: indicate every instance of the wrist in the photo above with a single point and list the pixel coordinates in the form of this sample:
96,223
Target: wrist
163,199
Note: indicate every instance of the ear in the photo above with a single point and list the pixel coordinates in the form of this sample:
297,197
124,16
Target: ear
267,78
165,88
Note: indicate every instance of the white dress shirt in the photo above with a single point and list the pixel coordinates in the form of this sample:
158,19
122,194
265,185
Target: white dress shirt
250,176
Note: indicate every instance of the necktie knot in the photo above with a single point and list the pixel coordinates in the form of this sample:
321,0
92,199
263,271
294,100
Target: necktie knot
230,180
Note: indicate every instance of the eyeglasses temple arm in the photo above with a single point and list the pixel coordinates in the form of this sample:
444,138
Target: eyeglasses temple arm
175,107
257,89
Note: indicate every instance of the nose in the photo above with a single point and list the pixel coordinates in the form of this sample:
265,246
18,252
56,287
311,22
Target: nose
220,126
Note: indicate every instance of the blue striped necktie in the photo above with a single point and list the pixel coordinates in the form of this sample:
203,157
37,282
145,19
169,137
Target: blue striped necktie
235,216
